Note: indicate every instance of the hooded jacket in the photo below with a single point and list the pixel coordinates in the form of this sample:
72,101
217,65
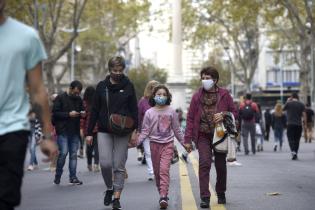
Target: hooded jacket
224,104
122,100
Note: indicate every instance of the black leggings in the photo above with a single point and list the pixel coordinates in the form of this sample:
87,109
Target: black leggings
294,133
90,149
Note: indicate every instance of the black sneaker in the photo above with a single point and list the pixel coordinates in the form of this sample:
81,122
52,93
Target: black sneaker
57,180
294,157
75,181
275,148
221,198
163,203
108,197
205,203
116,204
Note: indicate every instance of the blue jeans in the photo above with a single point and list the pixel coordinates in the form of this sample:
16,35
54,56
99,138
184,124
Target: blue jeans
278,136
67,143
32,142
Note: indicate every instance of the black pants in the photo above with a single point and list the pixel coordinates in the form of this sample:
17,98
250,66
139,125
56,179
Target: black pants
12,155
90,149
267,132
294,133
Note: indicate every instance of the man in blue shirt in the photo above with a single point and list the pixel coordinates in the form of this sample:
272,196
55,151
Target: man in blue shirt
21,55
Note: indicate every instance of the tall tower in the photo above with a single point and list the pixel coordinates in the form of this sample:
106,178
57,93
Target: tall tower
176,80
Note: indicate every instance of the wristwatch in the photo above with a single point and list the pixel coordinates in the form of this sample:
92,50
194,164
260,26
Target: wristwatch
46,136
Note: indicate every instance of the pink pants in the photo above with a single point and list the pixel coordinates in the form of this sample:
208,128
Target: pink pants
162,155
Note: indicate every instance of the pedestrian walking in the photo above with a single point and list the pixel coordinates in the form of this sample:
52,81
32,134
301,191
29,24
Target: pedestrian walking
248,113
267,118
143,106
160,125
295,111
92,149
208,107
67,111
115,99
34,138
309,125
259,130
21,56
278,123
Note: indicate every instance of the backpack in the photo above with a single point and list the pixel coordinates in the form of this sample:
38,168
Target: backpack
248,113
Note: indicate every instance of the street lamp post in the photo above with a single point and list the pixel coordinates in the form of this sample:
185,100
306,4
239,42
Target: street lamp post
281,76
73,49
310,26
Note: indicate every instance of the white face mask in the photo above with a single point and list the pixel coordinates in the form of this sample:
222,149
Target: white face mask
207,84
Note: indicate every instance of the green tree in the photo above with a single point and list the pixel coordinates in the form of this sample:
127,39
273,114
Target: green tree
112,24
48,17
231,25
287,25
145,73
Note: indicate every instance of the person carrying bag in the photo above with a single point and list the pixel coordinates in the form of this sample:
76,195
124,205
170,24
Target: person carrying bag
116,113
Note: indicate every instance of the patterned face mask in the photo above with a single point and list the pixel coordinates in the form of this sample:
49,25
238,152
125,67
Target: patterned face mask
160,100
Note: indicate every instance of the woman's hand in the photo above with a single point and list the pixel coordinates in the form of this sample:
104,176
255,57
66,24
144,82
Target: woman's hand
188,147
89,140
218,117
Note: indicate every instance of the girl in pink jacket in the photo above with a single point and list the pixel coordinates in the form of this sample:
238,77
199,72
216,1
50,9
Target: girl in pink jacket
160,125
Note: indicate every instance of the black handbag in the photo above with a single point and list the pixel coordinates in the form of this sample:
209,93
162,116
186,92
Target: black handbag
118,124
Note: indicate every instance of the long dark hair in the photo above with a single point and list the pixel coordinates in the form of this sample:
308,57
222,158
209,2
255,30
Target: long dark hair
88,95
168,95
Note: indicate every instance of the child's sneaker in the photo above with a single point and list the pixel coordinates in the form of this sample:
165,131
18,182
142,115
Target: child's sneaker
163,203
151,177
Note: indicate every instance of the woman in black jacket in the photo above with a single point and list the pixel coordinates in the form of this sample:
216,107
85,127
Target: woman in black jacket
113,148
278,124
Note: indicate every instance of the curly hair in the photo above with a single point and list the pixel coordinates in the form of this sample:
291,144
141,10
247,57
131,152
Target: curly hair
168,95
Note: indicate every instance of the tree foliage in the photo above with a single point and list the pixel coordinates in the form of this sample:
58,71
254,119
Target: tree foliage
222,66
48,17
112,24
145,73
287,23
231,25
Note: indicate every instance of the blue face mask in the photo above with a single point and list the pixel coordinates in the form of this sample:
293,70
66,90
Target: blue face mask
160,100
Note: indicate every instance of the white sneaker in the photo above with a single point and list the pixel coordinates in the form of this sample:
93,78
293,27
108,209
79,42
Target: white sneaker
234,163
30,168
151,177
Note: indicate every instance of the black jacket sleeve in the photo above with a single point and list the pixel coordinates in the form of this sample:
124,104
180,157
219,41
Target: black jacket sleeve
133,106
58,112
95,109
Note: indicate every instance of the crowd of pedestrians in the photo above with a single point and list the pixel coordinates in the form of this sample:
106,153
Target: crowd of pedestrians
107,115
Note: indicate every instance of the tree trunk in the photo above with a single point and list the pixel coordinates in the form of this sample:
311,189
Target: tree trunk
48,69
304,81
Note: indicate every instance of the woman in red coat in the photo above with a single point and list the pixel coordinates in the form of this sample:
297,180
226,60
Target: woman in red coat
207,108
